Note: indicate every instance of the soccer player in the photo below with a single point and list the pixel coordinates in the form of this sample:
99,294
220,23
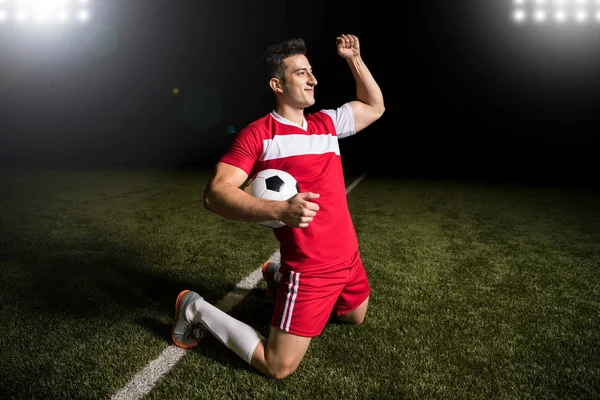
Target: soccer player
321,271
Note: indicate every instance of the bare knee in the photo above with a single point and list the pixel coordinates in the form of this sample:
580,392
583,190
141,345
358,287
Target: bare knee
280,367
357,320
350,318
275,368
282,355
281,371
356,316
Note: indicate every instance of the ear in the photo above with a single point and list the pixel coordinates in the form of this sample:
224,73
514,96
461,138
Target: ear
275,84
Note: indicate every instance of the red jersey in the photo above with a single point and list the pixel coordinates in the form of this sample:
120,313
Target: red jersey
311,154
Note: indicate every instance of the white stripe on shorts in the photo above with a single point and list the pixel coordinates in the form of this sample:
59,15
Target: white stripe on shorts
289,301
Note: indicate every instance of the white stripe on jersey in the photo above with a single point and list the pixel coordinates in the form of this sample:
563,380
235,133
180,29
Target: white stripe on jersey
282,146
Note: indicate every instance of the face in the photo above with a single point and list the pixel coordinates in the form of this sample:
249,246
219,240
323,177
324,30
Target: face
298,85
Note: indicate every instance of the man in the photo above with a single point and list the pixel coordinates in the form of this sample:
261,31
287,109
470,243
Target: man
321,270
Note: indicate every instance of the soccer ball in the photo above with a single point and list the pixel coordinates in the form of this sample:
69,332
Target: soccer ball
273,184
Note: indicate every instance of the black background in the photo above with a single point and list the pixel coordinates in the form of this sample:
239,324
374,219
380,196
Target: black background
468,92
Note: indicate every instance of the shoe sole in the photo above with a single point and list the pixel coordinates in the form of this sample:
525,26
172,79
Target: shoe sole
177,304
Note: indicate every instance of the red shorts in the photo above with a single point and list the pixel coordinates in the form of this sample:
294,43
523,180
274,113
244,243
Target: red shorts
306,300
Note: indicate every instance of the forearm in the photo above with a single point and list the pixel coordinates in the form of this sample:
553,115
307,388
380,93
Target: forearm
233,203
367,89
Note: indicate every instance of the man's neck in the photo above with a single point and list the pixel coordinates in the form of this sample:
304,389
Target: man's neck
295,115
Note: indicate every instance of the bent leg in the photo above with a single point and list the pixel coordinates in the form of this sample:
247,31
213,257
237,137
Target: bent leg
352,304
356,316
281,355
276,357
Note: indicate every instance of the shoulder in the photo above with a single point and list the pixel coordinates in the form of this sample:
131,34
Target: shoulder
342,119
262,123
257,128
336,114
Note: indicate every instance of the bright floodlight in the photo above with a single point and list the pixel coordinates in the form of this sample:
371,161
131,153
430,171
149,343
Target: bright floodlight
558,11
82,16
540,15
580,16
21,16
62,16
44,11
560,16
519,15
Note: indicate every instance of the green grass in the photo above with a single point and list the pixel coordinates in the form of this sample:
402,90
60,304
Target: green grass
479,291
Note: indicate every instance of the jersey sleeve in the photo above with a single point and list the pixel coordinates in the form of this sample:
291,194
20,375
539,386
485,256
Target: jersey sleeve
244,151
343,120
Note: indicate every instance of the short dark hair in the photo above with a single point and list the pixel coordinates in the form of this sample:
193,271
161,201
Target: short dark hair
276,53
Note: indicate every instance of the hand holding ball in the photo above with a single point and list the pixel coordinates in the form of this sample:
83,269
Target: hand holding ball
273,184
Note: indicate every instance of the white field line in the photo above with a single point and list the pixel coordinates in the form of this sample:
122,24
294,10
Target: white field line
145,380
355,183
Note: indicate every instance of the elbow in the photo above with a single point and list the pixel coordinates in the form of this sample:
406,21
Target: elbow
376,109
377,112
380,110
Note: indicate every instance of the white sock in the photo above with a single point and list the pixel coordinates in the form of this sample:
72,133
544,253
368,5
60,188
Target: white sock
236,335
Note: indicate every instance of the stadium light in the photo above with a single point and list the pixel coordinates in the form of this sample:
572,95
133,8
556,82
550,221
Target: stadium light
580,16
44,11
82,16
560,16
558,11
519,15
540,15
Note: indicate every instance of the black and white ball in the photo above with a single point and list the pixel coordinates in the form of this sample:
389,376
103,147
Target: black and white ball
273,184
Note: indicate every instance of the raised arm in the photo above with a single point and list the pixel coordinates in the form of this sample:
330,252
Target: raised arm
368,106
